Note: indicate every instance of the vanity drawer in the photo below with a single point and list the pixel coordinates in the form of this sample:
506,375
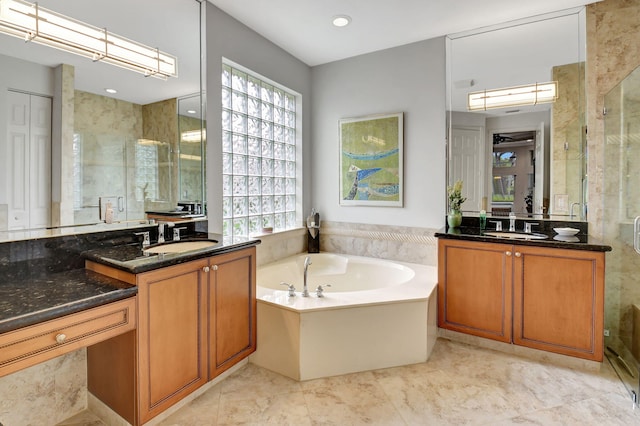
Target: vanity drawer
34,344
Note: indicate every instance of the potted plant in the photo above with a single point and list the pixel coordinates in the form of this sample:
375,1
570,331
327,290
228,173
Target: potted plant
454,217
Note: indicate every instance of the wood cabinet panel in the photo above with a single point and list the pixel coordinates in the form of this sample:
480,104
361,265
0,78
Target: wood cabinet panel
475,288
32,345
171,336
559,301
232,309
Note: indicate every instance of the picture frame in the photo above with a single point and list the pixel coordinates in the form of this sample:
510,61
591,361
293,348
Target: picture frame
371,160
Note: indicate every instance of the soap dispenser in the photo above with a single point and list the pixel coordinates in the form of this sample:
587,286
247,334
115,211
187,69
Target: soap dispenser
108,213
313,232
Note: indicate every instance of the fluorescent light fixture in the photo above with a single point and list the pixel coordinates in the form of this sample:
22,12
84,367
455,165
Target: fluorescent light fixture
341,20
531,94
190,157
193,135
150,142
191,111
112,91
34,23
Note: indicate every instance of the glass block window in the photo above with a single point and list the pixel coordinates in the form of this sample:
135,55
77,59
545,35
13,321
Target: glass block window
146,170
259,154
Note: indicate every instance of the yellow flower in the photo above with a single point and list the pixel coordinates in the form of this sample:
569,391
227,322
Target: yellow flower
455,196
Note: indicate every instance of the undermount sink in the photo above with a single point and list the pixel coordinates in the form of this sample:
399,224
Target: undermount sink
517,235
181,247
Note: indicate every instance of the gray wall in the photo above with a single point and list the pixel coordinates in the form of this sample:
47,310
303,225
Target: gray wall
226,37
409,79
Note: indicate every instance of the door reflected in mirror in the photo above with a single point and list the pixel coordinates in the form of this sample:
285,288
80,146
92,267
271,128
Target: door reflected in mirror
526,159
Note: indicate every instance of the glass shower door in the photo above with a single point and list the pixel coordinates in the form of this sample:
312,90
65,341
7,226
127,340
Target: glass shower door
621,208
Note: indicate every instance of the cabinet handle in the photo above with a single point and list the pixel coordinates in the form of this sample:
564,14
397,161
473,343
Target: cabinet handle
60,338
215,267
508,253
518,254
205,269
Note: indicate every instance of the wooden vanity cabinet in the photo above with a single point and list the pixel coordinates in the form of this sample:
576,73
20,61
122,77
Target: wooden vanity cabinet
474,288
558,301
544,298
195,320
232,309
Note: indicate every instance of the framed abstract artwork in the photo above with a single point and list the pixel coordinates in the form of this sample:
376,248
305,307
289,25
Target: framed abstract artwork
371,160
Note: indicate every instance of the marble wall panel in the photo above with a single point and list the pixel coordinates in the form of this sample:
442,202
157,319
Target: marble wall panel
400,243
160,124
566,133
613,52
45,394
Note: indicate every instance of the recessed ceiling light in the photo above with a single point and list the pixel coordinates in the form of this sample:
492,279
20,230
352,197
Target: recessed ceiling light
191,111
341,20
112,91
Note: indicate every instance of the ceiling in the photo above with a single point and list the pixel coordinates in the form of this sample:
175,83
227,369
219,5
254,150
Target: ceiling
303,27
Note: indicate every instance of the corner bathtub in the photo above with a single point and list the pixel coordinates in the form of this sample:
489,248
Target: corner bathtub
375,314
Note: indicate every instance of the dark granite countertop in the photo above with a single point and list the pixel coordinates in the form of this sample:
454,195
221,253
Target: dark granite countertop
27,299
581,241
131,258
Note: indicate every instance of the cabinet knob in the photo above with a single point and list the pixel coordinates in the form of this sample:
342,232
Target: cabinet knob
215,267
518,254
508,253
205,269
60,338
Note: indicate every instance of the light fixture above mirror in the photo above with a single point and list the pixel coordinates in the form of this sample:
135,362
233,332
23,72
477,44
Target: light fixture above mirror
531,94
31,22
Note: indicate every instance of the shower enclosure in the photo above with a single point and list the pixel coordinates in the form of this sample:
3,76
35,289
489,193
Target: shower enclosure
621,211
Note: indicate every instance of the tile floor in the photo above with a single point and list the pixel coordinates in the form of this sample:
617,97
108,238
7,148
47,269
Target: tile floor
460,384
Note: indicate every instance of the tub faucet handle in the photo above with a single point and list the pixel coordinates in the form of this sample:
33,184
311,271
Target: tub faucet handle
320,290
291,288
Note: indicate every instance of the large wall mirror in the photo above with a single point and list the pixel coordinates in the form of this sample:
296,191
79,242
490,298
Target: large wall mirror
527,159
68,147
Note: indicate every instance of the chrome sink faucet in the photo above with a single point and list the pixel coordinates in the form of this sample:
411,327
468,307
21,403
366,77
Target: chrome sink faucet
161,230
305,290
512,222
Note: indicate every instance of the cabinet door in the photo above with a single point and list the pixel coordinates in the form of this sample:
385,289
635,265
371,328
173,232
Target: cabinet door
474,288
559,301
171,335
232,309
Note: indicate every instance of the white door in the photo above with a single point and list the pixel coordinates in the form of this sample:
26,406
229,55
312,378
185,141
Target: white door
29,161
538,193
466,163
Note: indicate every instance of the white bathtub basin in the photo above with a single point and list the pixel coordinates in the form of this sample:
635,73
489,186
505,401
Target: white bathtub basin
342,273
